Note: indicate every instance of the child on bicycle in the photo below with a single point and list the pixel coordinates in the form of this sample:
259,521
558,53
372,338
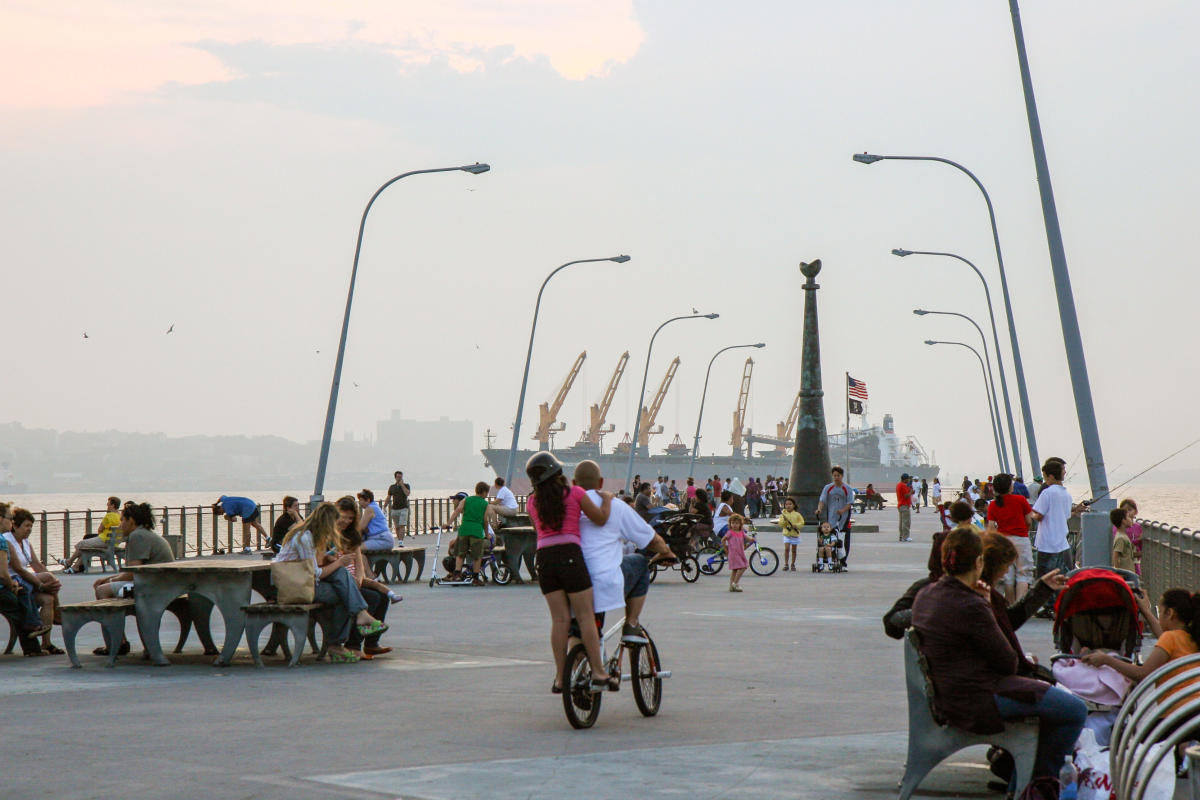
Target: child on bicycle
735,544
791,521
827,544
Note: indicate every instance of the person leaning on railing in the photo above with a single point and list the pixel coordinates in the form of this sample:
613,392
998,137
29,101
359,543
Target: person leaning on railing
27,569
94,544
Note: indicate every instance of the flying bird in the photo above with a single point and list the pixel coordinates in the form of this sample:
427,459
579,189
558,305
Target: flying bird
355,384
171,328
85,335
694,311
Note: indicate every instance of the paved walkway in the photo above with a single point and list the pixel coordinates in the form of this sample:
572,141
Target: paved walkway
789,689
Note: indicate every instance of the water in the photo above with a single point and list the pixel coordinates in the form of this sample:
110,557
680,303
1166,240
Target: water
81,501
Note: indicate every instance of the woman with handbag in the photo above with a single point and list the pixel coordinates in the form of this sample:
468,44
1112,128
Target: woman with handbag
300,575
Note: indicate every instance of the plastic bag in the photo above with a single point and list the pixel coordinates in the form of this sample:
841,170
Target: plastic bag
1095,776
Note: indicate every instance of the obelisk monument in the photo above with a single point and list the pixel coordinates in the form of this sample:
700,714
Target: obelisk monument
810,458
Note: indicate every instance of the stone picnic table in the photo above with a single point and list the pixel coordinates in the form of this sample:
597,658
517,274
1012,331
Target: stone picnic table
225,582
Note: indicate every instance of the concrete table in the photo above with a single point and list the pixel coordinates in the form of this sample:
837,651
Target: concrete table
227,583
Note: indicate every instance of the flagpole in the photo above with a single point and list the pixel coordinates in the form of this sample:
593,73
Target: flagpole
846,467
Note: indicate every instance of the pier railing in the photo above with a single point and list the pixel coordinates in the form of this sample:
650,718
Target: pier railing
202,532
1170,557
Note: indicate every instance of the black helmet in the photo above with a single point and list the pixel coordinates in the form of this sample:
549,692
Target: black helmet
542,466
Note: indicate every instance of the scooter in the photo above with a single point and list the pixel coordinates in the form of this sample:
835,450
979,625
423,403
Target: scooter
434,580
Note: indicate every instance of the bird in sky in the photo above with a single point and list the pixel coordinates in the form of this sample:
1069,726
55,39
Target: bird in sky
694,311
85,335
355,384
171,328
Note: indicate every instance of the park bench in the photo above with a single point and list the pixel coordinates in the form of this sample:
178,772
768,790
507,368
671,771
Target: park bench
111,615
382,559
930,740
300,619
113,558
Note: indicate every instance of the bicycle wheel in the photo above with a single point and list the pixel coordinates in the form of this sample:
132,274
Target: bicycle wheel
690,569
647,686
581,705
764,562
500,574
710,560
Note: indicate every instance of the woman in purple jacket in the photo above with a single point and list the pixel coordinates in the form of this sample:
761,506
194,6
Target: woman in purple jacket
973,665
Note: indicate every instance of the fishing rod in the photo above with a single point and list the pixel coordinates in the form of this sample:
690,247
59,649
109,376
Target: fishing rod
1143,472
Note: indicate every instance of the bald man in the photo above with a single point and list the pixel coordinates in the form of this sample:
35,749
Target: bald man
618,580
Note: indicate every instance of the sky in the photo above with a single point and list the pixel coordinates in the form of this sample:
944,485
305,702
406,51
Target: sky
205,165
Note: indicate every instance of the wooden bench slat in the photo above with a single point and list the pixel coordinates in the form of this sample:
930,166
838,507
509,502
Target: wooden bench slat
116,602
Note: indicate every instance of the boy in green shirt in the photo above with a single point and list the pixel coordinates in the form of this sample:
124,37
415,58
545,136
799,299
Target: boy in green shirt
472,533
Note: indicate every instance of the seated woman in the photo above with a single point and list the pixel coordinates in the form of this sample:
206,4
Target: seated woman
999,556
289,517
899,617
312,540
27,570
377,596
373,525
16,603
974,666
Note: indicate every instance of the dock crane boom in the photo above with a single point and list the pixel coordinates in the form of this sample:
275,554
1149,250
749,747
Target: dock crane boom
599,413
739,414
548,412
648,416
784,430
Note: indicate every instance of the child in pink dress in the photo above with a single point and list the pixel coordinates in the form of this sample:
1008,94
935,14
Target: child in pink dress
735,544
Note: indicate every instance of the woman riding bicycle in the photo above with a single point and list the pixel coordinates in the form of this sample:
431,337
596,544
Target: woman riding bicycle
555,509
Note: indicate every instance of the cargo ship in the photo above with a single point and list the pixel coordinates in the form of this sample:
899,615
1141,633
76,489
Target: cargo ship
876,453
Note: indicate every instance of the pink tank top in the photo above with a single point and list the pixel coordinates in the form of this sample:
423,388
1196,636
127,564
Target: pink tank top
569,533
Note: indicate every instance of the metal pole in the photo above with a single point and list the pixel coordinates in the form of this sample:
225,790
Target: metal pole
1018,365
1008,406
991,380
703,394
327,436
512,450
983,374
846,465
637,413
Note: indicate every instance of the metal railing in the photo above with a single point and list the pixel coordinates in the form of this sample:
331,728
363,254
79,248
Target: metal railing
204,533
1170,557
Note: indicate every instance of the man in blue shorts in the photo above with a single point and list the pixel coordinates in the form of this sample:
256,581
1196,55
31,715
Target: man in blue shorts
618,580
233,507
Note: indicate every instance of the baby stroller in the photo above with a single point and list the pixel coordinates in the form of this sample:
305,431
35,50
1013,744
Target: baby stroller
677,529
1097,611
837,541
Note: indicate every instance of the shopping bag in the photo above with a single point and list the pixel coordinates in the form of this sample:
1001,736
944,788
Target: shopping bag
294,581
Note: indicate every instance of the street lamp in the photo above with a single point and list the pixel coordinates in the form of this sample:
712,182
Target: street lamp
637,414
995,422
1022,391
1012,430
512,450
999,432
696,442
327,436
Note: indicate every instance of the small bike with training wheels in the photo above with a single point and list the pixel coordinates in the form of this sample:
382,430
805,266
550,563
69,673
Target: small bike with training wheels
763,560
582,705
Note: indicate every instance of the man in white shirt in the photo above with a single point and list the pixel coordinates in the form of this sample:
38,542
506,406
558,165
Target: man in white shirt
505,503
618,580
1052,510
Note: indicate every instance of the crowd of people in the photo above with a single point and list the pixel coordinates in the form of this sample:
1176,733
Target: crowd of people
986,579
753,499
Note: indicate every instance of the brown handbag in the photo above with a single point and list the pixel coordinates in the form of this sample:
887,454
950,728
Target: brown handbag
294,581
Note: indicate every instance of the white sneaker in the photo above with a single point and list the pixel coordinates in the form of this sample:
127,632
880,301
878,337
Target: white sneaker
246,551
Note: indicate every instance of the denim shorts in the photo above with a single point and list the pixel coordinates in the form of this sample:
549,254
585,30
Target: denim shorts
636,570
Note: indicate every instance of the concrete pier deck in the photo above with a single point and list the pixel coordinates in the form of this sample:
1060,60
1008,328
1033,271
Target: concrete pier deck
788,690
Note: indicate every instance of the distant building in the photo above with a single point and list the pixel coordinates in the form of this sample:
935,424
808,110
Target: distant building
438,451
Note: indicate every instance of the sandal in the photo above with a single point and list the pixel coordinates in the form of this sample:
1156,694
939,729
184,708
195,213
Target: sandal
554,687
346,657
51,650
374,628
35,653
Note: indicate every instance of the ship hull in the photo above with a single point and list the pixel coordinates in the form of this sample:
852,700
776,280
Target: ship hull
613,466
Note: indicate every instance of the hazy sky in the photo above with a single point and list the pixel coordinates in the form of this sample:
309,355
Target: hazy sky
205,165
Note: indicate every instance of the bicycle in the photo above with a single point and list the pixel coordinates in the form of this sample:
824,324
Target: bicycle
763,560
582,705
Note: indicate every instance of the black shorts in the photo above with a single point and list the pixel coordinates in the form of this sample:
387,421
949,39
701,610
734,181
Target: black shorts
560,567
255,517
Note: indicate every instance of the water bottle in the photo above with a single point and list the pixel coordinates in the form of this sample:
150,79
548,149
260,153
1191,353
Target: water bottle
1068,777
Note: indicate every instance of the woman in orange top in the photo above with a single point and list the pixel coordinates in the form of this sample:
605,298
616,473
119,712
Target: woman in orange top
1178,632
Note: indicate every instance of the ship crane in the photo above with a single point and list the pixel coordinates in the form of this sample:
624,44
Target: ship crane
599,413
647,427
783,440
548,412
739,414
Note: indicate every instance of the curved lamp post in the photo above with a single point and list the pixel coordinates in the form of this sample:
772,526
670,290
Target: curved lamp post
1012,430
512,450
1022,391
696,441
637,414
920,312
327,436
985,384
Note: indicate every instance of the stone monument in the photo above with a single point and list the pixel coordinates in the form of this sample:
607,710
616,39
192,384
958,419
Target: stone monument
810,458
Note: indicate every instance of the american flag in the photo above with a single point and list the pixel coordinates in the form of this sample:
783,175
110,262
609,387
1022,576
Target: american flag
856,389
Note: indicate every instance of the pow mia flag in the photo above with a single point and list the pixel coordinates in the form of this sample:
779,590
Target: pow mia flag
856,406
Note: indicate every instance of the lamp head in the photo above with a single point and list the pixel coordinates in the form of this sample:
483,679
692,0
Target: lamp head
619,259
900,251
711,316
930,341
867,158
761,345
476,168
920,312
